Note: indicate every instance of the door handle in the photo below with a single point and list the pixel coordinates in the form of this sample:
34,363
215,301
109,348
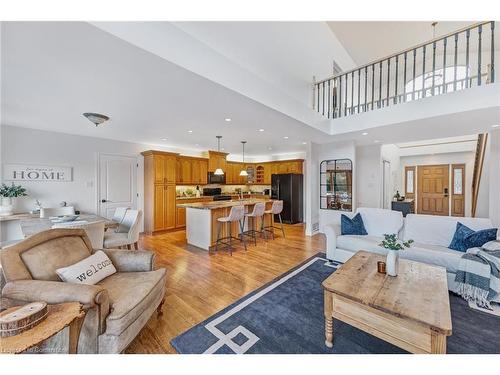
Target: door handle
446,192
104,200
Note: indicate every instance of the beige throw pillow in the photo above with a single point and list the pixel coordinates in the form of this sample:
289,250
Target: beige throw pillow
89,271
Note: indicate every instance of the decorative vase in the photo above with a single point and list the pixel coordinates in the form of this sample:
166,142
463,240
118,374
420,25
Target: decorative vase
392,262
7,206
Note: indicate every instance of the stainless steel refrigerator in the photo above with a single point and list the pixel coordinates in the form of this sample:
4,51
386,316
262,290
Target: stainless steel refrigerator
288,187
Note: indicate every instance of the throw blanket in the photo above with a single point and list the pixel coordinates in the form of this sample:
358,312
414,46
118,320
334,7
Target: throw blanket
478,276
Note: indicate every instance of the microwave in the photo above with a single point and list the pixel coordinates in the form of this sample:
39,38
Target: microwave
216,179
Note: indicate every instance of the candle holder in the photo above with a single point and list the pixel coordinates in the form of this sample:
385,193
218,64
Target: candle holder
381,267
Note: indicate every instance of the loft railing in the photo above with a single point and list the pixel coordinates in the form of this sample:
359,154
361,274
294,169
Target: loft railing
456,61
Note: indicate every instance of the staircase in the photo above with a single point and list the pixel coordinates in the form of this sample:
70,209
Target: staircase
456,61
482,139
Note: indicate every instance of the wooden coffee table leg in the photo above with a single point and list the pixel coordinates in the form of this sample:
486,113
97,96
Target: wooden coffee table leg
328,319
74,334
438,343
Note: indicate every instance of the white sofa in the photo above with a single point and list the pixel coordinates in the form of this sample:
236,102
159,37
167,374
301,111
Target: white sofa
432,236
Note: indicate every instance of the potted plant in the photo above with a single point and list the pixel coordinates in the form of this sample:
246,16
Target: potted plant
394,245
9,195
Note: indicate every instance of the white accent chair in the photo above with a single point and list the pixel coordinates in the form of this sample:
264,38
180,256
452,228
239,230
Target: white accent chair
56,211
127,233
432,236
94,231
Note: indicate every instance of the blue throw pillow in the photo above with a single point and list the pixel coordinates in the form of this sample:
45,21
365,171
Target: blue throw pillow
458,241
479,238
352,226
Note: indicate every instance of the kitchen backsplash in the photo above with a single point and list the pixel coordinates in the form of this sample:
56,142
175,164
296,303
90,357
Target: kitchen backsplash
187,190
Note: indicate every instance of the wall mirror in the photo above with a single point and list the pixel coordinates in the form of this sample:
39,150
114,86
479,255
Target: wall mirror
336,185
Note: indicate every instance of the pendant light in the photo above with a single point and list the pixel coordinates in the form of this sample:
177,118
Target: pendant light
243,172
218,171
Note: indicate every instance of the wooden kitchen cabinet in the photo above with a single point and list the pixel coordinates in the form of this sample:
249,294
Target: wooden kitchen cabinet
160,170
216,160
191,171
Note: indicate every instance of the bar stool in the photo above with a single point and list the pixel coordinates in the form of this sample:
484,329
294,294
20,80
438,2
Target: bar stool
276,209
258,211
237,213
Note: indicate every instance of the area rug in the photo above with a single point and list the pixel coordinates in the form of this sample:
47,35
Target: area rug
286,317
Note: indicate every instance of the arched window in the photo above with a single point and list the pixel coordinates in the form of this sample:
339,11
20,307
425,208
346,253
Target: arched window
422,85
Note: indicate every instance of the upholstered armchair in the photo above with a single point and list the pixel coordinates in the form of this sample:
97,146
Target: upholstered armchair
117,307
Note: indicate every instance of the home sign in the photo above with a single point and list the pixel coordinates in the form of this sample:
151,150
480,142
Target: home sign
26,172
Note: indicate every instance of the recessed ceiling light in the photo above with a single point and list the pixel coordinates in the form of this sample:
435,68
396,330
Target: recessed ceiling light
269,148
285,137
261,130
376,141
164,139
304,143
190,131
495,126
365,133
227,119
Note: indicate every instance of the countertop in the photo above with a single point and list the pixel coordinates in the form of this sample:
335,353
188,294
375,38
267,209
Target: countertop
223,204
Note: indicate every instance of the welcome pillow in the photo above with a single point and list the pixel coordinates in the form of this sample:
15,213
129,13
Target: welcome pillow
88,271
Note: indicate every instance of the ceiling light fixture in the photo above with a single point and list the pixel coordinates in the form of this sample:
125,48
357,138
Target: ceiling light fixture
164,139
227,119
190,131
218,171
261,130
365,133
304,143
96,118
285,137
243,172
376,141
495,126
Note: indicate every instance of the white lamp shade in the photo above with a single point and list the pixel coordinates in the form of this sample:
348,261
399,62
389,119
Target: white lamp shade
243,173
218,172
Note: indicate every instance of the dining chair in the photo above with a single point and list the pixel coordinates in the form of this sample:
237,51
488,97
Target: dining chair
56,211
128,232
94,231
119,214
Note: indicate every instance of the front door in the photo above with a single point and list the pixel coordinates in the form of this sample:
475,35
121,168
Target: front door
433,189
117,183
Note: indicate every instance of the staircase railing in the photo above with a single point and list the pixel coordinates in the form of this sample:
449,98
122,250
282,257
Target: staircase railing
455,61
482,139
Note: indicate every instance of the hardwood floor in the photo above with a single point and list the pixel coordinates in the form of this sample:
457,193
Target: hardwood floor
199,284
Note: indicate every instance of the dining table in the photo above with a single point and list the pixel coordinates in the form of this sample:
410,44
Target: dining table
32,224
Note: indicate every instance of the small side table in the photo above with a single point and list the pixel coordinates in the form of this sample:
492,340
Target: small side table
59,316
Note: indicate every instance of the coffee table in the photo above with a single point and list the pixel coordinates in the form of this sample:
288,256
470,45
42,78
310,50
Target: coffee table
411,310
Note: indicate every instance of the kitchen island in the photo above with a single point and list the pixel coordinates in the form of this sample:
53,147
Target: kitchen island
201,220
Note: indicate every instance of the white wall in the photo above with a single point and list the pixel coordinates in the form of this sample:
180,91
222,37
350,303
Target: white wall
449,158
311,188
494,180
368,173
392,154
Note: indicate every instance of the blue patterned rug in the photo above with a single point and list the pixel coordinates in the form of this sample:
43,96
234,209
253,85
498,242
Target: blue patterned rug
286,317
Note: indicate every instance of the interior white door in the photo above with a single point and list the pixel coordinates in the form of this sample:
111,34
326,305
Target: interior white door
117,183
387,185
